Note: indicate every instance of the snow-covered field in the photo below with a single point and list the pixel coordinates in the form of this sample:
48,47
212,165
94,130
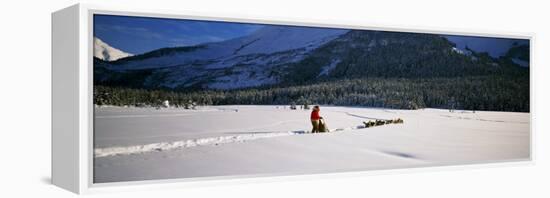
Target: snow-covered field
144,143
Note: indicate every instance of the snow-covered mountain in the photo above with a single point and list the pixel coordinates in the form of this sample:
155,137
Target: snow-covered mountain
277,55
248,61
105,52
268,40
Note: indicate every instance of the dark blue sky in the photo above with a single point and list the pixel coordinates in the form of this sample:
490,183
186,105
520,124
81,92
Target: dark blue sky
138,35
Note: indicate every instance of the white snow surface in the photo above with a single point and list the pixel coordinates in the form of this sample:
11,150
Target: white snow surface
143,143
105,52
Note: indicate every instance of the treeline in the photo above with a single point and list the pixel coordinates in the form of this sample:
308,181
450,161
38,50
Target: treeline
495,93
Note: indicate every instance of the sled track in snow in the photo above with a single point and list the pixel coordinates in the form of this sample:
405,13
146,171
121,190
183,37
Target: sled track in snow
209,141
165,146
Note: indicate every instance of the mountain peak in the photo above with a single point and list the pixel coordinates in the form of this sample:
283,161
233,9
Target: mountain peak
105,52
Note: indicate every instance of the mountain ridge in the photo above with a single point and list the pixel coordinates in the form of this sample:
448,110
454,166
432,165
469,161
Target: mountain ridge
322,54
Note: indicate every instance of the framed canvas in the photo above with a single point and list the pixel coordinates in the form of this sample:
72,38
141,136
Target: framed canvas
145,97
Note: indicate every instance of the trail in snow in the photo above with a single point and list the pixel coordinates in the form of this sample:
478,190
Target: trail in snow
182,144
365,117
360,116
164,146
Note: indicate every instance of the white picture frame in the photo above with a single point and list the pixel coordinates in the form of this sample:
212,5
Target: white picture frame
72,87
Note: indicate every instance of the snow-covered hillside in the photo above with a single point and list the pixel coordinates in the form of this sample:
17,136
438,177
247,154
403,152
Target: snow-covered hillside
268,40
105,52
248,61
273,39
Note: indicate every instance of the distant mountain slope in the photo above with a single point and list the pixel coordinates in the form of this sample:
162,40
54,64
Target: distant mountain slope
363,54
281,56
105,52
248,61
268,40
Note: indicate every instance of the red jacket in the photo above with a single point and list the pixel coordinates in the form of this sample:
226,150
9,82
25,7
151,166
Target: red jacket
315,115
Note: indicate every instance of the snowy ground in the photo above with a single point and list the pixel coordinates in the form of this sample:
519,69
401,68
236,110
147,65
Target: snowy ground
143,143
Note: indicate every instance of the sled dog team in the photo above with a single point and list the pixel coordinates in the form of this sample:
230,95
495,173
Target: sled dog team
320,126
